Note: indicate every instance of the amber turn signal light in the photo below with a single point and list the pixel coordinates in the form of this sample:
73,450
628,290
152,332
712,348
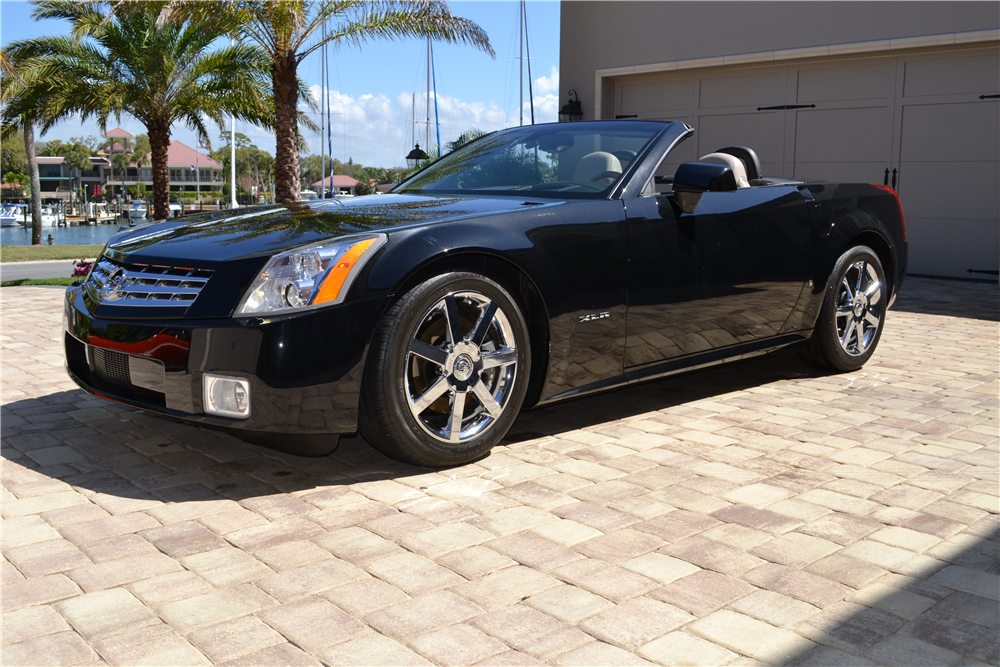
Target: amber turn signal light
334,281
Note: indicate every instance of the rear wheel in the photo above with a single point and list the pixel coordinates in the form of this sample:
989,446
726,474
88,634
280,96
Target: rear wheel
850,322
447,372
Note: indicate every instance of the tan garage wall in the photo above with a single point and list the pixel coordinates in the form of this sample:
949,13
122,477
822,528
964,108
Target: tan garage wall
915,106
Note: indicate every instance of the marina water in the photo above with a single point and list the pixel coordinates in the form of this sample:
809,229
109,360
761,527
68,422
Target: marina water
72,235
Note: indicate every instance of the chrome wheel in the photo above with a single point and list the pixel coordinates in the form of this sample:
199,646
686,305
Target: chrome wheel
461,365
859,308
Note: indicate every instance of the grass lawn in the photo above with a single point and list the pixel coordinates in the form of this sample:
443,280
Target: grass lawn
40,281
27,253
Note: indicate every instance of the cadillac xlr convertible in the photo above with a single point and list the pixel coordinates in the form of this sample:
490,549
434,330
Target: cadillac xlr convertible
532,265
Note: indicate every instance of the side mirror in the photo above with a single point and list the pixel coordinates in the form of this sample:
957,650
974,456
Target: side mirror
694,178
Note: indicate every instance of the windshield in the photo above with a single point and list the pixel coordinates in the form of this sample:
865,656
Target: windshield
563,160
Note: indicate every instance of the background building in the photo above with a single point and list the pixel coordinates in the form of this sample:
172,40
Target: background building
339,184
820,90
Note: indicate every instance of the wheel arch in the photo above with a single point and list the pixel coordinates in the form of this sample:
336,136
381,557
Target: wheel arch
880,246
511,277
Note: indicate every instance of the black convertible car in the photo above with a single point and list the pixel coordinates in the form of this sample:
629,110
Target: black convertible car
532,265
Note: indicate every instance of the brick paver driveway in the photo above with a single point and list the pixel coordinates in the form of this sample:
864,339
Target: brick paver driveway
757,513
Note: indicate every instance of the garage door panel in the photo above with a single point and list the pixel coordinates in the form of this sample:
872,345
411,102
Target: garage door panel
957,132
840,172
949,247
842,135
951,76
756,130
965,190
742,90
852,83
670,98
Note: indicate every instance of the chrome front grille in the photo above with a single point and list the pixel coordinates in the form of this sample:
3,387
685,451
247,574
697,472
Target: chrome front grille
118,284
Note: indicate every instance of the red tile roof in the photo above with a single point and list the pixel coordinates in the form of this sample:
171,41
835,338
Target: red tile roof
117,133
339,181
182,155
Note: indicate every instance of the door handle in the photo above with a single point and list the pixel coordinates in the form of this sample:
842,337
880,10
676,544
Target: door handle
885,181
893,178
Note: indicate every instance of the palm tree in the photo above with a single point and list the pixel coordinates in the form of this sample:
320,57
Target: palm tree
16,80
289,30
136,63
464,138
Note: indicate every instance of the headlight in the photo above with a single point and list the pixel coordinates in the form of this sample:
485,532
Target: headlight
318,275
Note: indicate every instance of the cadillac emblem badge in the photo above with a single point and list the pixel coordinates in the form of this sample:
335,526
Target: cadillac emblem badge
111,290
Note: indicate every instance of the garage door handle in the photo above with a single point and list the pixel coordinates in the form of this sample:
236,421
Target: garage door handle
623,115
885,181
988,97
894,179
783,107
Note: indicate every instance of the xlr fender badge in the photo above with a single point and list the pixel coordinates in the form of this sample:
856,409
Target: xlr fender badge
595,316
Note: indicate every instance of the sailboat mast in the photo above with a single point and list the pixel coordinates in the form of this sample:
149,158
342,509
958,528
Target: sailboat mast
527,47
428,148
322,116
520,61
437,119
329,122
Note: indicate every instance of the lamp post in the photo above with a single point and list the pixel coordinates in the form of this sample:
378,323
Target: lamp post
572,110
415,157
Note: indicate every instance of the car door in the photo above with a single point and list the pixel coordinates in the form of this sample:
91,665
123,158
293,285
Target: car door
662,283
728,273
753,257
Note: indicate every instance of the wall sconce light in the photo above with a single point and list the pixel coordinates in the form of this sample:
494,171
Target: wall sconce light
572,110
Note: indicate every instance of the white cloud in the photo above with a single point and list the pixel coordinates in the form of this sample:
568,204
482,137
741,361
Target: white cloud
548,84
376,130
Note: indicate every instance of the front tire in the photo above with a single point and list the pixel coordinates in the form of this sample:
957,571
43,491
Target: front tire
850,322
447,372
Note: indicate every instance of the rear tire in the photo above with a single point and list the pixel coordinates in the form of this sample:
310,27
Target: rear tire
447,372
850,322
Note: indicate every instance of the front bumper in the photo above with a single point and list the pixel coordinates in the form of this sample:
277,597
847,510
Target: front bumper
304,370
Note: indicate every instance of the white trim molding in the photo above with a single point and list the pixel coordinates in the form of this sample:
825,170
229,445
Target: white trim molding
851,48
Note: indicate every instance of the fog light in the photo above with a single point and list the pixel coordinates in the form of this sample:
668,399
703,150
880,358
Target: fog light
226,396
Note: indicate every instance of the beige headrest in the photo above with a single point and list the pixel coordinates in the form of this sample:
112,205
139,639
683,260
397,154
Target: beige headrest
594,164
734,163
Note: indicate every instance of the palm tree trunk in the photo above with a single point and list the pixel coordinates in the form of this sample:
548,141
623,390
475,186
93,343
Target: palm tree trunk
36,187
286,128
159,142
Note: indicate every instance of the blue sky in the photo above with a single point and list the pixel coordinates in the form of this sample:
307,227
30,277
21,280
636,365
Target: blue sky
371,88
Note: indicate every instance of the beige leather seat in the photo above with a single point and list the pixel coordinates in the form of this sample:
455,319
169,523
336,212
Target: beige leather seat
593,165
734,163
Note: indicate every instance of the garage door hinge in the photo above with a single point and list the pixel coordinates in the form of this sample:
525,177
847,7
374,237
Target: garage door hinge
988,97
787,106
622,115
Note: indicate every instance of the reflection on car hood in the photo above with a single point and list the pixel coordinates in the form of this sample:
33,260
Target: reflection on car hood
202,241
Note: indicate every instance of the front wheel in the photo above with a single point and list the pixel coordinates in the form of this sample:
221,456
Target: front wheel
447,372
850,322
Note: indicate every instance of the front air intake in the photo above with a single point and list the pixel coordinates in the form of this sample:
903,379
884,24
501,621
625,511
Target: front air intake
110,366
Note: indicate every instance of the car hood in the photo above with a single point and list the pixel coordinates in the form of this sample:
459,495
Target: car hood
205,240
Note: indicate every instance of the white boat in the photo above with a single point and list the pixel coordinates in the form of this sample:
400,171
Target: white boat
50,216
176,208
137,210
98,212
13,215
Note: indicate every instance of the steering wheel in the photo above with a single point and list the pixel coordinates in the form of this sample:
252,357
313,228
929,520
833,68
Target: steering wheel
606,174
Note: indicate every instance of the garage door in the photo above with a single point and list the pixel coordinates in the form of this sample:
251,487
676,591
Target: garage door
925,120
